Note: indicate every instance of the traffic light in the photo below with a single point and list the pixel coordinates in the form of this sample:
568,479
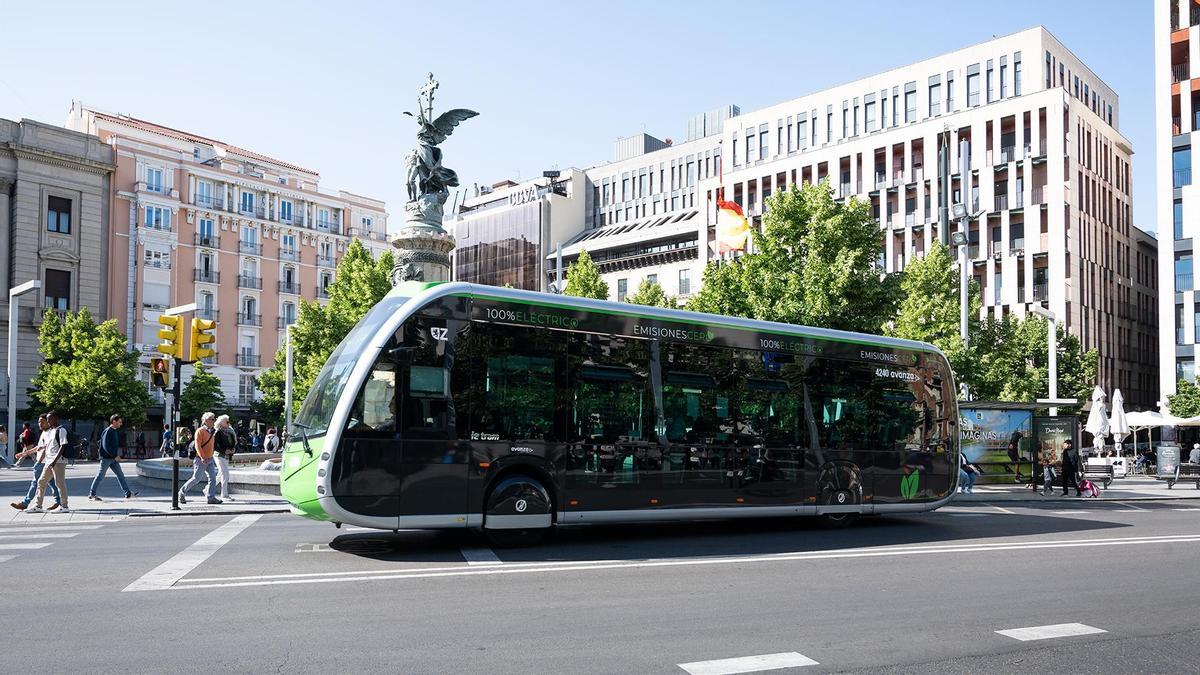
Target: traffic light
171,335
160,372
201,338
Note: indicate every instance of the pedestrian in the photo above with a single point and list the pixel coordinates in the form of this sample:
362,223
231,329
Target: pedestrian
4,444
271,443
54,440
256,441
164,448
1194,456
184,442
139,443
1014,455
225,449
37,450
1070,468
28,440
1049,459
966,475
203,464
112,444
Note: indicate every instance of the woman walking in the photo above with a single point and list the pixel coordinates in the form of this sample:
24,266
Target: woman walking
226,446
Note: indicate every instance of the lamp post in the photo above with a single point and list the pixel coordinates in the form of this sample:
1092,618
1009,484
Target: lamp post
13,294
1051,352
287,382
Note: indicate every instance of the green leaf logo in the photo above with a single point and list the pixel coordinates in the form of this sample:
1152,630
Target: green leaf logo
909,484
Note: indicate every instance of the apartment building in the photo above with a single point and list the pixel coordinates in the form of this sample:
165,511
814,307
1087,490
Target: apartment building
1177,119
54,228
243,235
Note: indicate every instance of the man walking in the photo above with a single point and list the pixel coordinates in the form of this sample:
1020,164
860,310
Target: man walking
112,442
226,446
54,440
202,463
1070,467
35,448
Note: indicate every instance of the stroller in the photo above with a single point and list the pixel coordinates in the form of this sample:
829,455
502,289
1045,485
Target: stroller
1088,488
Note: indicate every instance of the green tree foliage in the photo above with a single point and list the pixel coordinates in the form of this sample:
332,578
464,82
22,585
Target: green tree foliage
929,308
201,394
1185,402
88,372
813,264
1010,362
360,283
651,294
583,279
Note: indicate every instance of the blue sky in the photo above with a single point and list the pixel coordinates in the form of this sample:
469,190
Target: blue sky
323,84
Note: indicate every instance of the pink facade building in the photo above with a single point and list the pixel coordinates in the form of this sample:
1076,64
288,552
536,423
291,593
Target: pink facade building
244,236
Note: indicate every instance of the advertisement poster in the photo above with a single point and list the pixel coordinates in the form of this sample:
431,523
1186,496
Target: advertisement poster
1052,431
997,441
1167,459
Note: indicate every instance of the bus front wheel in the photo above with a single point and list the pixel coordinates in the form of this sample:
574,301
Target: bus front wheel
518,512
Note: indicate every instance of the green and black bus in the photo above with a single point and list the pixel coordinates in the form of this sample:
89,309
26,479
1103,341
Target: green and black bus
455,405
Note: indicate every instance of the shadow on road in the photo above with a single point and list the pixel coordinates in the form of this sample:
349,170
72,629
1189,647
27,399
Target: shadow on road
716,538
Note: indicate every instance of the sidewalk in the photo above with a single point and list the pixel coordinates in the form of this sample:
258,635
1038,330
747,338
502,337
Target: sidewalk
1122,489
151,501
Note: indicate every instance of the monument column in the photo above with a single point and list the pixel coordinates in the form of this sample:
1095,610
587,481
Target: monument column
422,246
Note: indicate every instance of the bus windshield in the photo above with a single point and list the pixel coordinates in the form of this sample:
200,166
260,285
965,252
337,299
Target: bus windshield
317,410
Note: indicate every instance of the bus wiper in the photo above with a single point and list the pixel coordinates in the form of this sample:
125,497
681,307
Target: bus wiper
303,437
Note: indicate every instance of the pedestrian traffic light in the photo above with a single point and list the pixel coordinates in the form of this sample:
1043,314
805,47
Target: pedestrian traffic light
160,372
171,335
201,338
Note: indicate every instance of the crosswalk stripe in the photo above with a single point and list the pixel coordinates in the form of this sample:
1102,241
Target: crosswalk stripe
6,558
36,528
25,546
1057,630
480,556
748,664
41,535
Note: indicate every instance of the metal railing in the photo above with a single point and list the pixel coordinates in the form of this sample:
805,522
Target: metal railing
156,188
1037,195
1180,72
1183,282
249,360
206,276
1001,203
245,319
251,247
209,240
209,202
972,251
289,287
289,254
1008,153
156,264
1041,292
322,292
910,219
1182,177
284,321
325,261
366,234
247,281
208,313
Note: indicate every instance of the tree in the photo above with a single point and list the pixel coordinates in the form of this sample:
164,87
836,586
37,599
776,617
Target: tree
202,394
930,308
1185,402
359,284
1010,361
583,279
813,264
651,294
88,372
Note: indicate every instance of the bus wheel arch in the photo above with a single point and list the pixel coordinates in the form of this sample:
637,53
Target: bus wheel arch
839,483
518,509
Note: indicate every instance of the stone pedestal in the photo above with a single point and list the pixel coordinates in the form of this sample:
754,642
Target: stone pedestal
422,252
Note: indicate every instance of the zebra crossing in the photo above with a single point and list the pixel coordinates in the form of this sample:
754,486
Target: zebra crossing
16,540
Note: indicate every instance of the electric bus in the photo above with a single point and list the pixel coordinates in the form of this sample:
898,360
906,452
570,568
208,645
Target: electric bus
454,405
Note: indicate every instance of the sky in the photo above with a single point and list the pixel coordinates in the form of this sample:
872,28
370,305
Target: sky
324,84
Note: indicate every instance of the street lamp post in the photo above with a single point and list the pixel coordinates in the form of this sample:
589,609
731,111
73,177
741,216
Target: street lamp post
13,294
287,382
1051,352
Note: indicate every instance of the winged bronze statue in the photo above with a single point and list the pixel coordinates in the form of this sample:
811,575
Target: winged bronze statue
426,175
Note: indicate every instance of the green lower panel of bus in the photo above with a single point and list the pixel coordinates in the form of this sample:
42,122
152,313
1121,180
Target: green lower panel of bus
298,479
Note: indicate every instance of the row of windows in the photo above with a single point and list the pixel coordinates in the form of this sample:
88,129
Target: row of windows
654,180
685,284
1080,89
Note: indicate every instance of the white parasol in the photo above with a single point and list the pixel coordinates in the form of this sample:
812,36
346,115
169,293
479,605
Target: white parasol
1118,423
1097,421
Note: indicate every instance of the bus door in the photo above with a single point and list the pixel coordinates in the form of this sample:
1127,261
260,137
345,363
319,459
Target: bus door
433,463
770,459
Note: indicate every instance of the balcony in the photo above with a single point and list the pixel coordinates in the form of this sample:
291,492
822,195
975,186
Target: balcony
910,219
325,261
246,319
299,220
972,251
249,360
1001,203
1041,292
1183,282
154,188
247,281
206,276
209,202
329,226
1180,72
250,247
880,181
209,240
157,264
1182,177
289,254
366,234
208,313
1176,125
1037,195
289,287
284,321
323,293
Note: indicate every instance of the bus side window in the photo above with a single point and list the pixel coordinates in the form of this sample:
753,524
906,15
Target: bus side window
516,384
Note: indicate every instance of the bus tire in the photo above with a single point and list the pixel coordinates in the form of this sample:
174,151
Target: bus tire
518,512
839,484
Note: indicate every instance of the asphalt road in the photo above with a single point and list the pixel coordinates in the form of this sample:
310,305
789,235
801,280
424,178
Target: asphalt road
927,594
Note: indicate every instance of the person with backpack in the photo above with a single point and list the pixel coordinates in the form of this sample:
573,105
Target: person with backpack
39,465
203,464
112,443
226,447
1070,468
271,442
55,442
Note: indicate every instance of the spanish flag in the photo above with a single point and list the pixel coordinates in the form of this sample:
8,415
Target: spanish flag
732,228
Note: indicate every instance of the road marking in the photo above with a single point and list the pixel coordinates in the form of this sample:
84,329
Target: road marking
10,530
24,547
41,535
960,515
1185,509
1057,630
1133,507
480,556
313,548
1001,509
6,558
591,565
165,575
748,664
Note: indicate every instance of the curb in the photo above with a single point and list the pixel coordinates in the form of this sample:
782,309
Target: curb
184,512
1070,500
